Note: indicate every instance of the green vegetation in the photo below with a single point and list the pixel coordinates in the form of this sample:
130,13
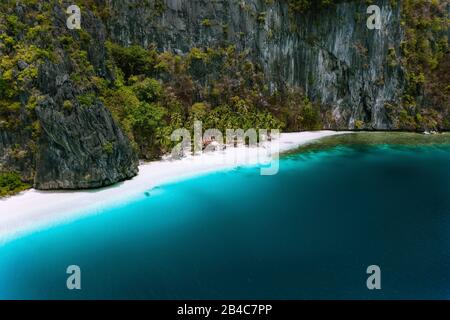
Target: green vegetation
153,93
67,104
108,148
10,183
426,59
131,60
206,23
299,6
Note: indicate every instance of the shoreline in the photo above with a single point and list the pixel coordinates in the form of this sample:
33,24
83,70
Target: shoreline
33,210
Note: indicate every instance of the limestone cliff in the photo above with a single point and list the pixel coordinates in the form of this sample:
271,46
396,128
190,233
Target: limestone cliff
76,114
329,52
58,143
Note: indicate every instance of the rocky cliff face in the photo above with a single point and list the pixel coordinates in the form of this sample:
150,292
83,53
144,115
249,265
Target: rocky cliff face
56,128
330,53
81,146
62,144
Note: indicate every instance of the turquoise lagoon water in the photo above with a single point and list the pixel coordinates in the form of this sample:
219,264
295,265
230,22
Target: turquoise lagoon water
308,232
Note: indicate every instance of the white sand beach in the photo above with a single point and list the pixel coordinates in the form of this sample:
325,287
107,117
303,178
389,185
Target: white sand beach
34,210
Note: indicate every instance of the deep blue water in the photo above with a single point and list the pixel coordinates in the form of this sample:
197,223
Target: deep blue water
308,232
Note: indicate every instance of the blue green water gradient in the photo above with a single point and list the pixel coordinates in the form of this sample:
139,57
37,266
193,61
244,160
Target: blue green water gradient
308,232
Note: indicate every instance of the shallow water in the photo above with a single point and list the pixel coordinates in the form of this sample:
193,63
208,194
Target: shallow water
308,232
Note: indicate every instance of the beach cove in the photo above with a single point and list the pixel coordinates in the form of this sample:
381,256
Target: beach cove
34,209
337,206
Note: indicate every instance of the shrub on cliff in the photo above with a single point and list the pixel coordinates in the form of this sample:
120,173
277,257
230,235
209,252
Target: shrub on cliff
10,183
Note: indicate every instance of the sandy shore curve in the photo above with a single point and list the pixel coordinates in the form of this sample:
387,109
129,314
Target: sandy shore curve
34,210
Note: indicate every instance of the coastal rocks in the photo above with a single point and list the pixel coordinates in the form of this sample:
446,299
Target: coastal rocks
81,146
85,149
60,140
